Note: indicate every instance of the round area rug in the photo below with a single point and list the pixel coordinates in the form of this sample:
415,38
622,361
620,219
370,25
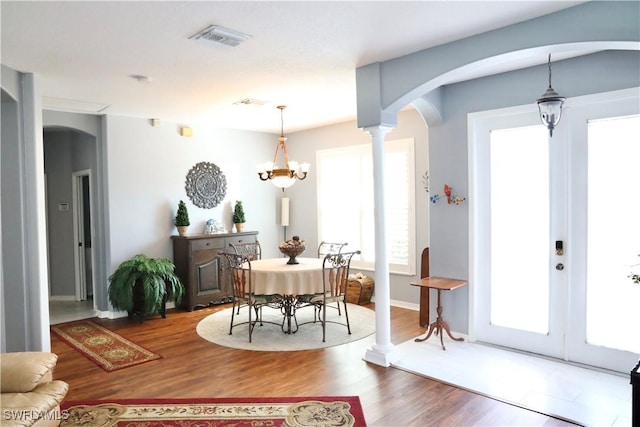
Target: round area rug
269,336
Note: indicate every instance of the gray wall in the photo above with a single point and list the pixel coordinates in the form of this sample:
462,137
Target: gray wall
13,294
57,162
24,284
65,151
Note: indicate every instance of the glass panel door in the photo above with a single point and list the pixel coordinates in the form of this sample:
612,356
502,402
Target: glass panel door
520,229
614,233
579,188
518,212
603,325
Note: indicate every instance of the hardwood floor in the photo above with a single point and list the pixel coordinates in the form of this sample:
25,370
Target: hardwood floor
193,367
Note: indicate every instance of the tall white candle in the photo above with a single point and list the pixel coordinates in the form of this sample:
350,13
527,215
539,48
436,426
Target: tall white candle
284,212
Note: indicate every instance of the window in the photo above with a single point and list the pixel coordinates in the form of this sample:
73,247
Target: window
345,202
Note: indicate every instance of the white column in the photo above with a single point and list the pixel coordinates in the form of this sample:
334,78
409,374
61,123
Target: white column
383,352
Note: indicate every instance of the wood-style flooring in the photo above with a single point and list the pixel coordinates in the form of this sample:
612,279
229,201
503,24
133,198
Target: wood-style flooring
193,367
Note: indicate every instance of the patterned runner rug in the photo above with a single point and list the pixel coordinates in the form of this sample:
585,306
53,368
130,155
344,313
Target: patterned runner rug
330,411
105,348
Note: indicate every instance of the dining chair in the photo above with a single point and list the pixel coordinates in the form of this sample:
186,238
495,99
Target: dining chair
325,248
240,270
251,250
335,275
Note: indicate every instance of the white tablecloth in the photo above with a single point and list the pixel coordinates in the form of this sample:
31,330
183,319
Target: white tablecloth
274,276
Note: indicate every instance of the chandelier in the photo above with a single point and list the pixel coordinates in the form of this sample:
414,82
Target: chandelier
550,106
282,176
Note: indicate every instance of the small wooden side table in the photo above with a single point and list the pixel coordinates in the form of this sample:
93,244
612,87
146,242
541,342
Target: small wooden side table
440,284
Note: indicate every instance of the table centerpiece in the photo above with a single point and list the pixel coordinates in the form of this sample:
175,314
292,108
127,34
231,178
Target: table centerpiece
292,248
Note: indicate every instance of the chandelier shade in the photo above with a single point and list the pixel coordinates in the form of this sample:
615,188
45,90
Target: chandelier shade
550,106
282,176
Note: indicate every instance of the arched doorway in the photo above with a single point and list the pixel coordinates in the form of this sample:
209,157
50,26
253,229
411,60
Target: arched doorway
70,159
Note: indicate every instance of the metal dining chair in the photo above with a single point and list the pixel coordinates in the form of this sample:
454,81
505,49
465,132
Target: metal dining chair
335,275
252,250
243,295
325,248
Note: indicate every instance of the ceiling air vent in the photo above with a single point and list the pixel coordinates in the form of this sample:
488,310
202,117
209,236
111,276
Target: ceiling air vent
219,35
250,101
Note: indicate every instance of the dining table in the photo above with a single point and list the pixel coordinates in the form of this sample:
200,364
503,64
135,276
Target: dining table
273,276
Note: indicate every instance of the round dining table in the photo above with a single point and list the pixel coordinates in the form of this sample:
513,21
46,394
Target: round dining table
273,276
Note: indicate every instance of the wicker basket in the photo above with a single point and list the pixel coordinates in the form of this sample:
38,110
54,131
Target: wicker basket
359,291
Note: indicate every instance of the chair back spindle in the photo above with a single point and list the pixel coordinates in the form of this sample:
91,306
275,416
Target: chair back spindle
325,248
252,250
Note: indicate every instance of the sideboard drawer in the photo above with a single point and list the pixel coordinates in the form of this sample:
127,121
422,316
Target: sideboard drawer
197,245
240,239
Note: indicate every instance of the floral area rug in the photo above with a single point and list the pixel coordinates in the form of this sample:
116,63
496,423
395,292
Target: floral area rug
329,411
105,348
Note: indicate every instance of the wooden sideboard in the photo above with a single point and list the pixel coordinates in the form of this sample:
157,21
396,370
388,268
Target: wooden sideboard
202,271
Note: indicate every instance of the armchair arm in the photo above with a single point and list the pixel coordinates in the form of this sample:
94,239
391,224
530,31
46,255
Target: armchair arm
22,372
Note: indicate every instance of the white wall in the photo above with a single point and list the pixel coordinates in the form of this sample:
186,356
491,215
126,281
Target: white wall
147,168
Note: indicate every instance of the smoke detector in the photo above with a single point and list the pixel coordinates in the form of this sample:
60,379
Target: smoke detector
220,35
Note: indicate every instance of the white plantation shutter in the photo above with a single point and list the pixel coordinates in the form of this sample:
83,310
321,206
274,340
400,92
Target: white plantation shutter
345,202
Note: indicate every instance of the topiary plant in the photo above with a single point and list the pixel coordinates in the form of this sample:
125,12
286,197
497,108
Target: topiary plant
238,213
182,216
141,285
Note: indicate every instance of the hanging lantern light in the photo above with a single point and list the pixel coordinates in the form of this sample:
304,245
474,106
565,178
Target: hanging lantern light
550,106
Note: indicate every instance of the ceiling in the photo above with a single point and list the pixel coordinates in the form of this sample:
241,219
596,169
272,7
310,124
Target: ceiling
300,54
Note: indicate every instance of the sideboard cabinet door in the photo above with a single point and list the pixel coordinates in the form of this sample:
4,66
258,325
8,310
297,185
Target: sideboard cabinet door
201,269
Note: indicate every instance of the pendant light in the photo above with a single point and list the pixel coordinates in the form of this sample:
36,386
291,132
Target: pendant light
550,106
286,175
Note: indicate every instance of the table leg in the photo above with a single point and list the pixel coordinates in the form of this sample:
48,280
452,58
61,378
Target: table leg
438,326
424,306
289,312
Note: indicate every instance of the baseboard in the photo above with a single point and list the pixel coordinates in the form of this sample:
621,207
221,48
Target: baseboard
119,314
62,298
404,304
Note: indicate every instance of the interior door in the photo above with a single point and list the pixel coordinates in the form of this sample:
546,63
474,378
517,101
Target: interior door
83,255
555,231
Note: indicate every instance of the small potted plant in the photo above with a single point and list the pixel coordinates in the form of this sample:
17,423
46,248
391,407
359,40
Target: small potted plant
142,285
182,219
238,216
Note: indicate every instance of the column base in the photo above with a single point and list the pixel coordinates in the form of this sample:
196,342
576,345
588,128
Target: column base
382,356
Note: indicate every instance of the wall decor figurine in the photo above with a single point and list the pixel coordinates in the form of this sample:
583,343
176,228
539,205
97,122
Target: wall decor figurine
448,193
206,185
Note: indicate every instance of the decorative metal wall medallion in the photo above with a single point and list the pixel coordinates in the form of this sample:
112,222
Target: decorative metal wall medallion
206,185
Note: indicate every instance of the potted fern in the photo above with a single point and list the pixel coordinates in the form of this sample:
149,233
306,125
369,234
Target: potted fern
142,285
182,219
238,216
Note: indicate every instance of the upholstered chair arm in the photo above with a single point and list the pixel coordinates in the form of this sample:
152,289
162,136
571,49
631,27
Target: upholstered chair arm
22,372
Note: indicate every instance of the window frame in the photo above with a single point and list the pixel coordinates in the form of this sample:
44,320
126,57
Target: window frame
362,201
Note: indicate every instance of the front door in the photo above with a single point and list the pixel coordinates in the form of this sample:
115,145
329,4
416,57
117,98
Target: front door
555,232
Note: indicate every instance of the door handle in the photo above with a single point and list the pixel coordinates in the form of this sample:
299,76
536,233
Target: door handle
559,266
